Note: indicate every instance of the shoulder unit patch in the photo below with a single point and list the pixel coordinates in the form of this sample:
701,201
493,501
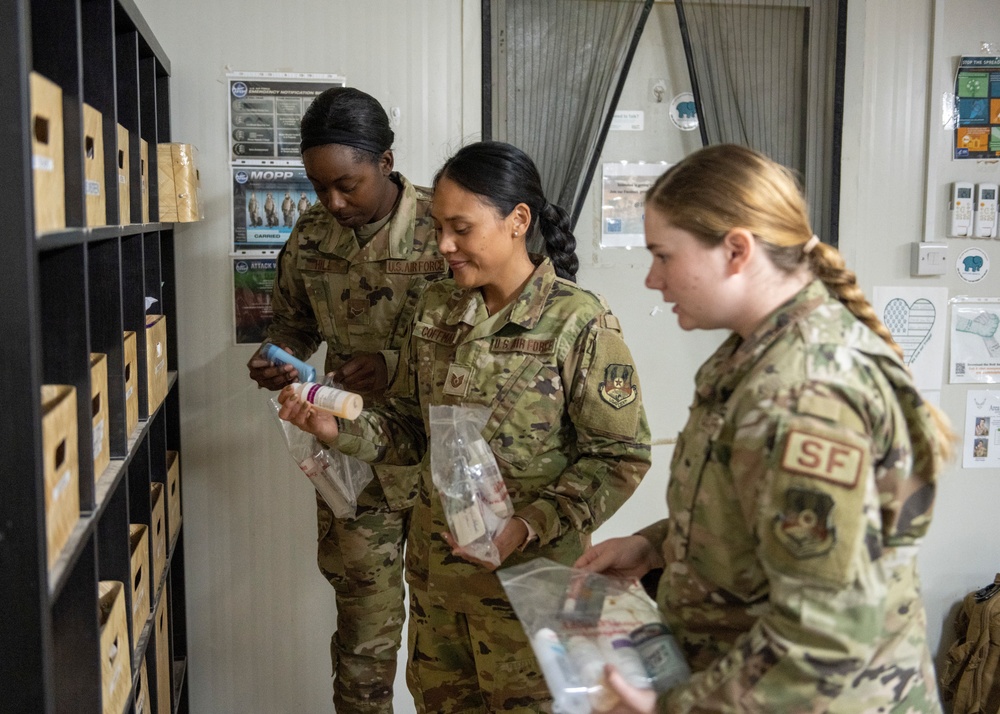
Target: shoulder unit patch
618,389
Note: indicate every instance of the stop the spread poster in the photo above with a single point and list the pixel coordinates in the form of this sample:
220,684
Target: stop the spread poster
977,108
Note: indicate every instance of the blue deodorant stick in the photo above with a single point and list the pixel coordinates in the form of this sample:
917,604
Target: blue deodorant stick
276,355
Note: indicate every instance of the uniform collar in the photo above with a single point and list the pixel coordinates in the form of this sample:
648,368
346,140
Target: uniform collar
395,239
526,310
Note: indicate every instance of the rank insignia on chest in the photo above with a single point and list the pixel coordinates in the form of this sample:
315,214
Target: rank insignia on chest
456,383
617,389
803,527
356,308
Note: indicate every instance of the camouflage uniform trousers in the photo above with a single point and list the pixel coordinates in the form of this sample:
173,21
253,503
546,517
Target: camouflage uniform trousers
462,662
363,560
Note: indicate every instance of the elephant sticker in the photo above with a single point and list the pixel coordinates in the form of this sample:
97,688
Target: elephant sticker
683,112
973,265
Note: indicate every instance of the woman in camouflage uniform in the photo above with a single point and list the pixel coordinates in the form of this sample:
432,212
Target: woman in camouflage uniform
349,276
512,332
805,476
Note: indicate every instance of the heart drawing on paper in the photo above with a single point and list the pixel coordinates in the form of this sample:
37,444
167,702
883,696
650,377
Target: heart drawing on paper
910,325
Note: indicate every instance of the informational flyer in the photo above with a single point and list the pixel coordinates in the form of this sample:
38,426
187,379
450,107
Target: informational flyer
977,100
253,280
623,202
916,318
264,113
267,201
981,438
975,352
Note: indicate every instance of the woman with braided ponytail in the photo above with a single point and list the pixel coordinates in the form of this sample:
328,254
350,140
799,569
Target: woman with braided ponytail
805,476
509,331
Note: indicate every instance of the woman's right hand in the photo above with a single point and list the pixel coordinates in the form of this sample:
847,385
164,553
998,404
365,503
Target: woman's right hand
271,376
629,557
318,422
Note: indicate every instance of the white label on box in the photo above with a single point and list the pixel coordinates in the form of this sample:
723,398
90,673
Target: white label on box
93,188
122,178
468,525
98,439
128,393
42,163
62,484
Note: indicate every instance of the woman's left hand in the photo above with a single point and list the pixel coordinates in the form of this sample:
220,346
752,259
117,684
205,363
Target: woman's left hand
631,700
506,542
320,423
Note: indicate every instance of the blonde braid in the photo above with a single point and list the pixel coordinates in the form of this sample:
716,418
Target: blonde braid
827,264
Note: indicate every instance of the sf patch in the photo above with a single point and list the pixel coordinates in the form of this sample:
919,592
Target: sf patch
834,461
618,389
804,525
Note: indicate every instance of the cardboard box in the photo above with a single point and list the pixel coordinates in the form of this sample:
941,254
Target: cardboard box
156,360
131,359
141,590
173,494
124,196
144,179
93,167
61,464
48,170
162,635
116,658
100,426
158,530
179,183
141,690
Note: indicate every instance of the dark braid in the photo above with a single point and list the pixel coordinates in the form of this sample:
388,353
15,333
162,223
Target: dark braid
504,176
560,244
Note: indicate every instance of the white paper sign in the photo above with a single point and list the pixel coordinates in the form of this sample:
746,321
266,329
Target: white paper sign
981,438
975,351
916,318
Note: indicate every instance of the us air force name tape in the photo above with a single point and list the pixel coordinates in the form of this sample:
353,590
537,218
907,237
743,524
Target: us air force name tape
345,138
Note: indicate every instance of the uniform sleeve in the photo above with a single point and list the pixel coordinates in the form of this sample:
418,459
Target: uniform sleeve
294,323
612,436
805,485
393,434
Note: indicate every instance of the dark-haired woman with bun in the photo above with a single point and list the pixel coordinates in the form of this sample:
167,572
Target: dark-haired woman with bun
510,331
349,276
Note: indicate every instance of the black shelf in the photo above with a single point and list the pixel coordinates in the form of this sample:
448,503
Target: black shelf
71,292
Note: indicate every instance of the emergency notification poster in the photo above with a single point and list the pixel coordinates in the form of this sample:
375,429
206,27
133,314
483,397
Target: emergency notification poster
264,113
977,108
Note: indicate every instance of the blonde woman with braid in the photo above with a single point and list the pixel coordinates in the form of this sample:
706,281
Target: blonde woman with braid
804,479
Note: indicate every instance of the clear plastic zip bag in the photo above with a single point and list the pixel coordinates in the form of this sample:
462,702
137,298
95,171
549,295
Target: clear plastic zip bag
337,477
465,473
578,621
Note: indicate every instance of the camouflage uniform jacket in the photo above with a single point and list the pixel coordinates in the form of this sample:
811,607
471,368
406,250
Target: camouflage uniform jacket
356,299
798,491
567,428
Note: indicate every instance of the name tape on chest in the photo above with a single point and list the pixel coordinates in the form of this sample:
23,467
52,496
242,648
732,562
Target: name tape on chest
823,458
435,334
415,267
324,265
523,345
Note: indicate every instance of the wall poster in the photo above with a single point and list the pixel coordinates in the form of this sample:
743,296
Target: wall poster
977,108
623,199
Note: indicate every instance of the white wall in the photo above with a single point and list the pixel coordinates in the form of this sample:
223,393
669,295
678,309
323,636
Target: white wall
259,613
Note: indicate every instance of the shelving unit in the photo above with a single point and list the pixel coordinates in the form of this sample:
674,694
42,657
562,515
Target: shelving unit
66,294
